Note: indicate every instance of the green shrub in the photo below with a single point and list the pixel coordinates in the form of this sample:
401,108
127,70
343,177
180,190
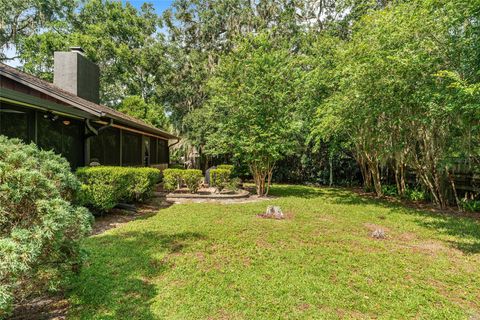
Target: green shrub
389,190
233,184
175,178
226,167
220,178
415,194
104,187
193,179
144,182
40,229
470,205
172,179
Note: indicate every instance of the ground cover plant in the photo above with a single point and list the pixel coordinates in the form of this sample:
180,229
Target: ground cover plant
219,261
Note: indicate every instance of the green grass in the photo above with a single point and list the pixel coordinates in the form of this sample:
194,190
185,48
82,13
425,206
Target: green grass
215,261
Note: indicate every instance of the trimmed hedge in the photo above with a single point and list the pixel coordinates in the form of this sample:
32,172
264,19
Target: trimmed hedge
192,178
103,187
172,179
225,167
175,178
40,229
220,178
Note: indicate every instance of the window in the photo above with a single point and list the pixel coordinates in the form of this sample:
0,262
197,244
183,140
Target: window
131,149
105,148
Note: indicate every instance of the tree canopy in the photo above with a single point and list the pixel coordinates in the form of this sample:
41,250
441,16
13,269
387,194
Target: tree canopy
379,92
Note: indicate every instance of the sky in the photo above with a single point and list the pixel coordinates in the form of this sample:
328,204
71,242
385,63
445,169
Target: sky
159,5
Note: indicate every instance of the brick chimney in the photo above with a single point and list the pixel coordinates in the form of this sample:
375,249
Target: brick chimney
74,73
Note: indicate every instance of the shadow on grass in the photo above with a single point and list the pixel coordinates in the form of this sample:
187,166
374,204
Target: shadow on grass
466,230
117,281
306,192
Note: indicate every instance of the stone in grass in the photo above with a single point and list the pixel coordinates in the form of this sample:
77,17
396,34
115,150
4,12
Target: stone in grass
274,212
379,234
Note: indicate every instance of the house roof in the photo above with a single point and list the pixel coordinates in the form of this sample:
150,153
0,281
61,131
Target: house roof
96,110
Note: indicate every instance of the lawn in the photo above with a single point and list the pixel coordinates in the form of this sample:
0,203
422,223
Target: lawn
217,261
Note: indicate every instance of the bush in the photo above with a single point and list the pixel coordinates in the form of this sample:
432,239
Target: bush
220,178
226,167
104,187
415,194
40,230
193,179
144,182
175,178
389,190
470,205
172,179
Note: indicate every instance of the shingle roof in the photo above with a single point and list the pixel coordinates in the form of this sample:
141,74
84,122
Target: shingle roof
80,103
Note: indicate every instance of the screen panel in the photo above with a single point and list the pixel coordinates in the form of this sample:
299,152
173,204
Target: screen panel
153,151
131,149
163,156
105,148
17,122
63,135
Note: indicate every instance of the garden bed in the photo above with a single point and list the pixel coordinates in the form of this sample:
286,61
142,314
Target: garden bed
207,194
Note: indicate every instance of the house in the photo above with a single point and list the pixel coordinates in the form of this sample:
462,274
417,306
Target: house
66,117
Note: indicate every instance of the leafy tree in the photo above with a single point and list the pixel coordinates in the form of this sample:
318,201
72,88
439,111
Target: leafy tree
253,106
122,40
23,18
392,102
151,113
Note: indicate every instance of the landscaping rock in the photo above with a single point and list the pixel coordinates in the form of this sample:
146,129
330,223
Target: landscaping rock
274,212
379,234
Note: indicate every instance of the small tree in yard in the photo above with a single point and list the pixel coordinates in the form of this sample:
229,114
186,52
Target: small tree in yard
252,105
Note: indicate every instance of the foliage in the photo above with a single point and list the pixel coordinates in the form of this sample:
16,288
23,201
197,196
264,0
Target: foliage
415,194
23,18
228,167
151,113
175,178
215,252
374,86
104,187
253,106
220,178
172,179
121,39
394,103
389,190
40,229
193,179
471,205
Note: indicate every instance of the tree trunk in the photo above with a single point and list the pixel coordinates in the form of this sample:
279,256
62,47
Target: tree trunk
454,189
262,175
330,162
377,183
